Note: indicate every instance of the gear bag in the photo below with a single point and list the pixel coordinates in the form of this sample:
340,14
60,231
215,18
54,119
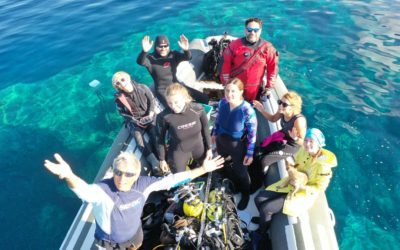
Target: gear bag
212,60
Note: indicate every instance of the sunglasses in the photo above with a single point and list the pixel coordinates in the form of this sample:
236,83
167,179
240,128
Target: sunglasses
252,29
284,104
162,46
121,173
121,82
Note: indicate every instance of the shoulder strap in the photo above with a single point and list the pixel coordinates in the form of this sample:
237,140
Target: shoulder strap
297,116
248,63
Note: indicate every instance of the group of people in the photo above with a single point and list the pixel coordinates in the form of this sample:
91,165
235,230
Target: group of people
181,132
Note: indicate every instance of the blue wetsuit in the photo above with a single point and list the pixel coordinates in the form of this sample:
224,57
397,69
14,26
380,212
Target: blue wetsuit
237,122
230,126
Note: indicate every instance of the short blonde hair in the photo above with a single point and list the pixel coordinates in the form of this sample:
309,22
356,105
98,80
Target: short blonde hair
126,159
117,76
295,100
178,89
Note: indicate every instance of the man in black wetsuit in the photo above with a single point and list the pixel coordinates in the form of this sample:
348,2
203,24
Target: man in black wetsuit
162,65
135,103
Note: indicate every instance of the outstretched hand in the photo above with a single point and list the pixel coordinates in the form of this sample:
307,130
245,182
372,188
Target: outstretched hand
61,169
213,164
183,42
146,44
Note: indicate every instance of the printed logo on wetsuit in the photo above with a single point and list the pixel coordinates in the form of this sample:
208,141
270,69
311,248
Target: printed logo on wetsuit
187,125
129,205
166,65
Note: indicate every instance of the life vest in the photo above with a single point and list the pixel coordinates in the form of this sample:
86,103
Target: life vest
319,174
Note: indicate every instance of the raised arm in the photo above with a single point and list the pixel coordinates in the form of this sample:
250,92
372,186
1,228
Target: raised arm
209,165
183,43
61,169
147,44
142,59
174,180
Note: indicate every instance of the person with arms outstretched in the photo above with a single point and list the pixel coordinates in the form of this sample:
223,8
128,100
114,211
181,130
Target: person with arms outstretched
118,201
162,64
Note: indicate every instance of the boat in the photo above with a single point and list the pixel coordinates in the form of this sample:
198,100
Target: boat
313,229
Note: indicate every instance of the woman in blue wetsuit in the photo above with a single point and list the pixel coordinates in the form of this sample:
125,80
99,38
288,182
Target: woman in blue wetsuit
235,135
187,127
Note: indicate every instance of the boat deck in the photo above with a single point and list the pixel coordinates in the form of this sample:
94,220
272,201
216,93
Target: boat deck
312,230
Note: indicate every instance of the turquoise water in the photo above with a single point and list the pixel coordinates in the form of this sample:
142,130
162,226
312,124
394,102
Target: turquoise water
342,56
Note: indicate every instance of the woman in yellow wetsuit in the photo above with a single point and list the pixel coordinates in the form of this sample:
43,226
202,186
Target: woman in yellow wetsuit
313,160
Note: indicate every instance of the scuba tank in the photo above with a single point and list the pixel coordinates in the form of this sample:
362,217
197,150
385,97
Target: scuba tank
215,199
193,208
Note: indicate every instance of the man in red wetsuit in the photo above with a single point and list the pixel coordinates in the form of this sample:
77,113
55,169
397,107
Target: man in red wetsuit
249,59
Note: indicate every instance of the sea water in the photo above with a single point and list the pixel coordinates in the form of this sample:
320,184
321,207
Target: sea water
343,58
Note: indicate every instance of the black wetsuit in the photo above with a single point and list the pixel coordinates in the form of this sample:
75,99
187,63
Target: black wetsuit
276,151
163,72
189,136
141,103
268,203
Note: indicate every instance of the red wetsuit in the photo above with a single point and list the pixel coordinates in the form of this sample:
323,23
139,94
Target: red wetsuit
235,56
